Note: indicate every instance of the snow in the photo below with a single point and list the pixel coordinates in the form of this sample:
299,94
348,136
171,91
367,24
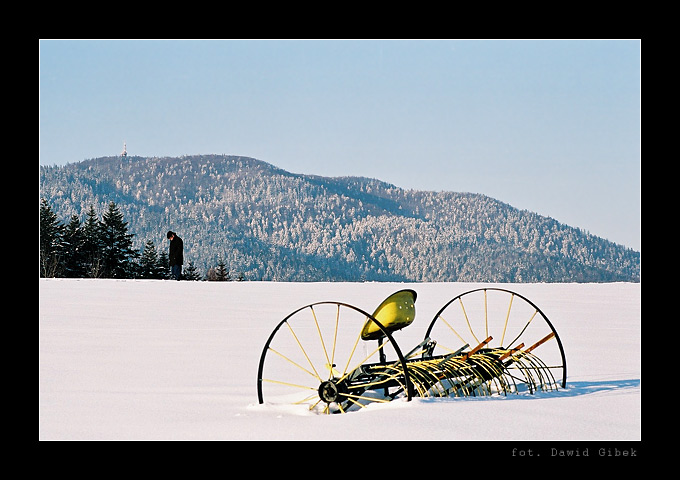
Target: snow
165,360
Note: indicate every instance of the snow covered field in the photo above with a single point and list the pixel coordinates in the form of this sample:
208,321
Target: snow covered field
135,359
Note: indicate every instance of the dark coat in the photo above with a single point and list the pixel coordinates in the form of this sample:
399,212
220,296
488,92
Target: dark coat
176,256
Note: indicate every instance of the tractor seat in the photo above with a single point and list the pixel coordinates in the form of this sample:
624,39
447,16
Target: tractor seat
394,313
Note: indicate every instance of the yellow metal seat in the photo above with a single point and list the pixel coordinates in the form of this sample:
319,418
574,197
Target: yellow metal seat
394,313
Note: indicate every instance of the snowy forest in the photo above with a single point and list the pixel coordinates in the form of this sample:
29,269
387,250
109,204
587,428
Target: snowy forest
103,248
253,221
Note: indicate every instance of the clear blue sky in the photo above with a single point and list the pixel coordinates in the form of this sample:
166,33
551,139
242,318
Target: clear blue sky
548,126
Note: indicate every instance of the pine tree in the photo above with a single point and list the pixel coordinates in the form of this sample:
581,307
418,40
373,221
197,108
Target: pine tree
92,245
191,272
148,263
51,235
164,265
74,259
118,254
221,272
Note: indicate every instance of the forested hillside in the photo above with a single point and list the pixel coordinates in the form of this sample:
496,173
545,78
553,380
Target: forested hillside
269,224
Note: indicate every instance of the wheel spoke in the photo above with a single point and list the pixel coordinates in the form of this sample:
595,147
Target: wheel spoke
305,387
453,329
294,363
486,315
460,300
323,345
335,338
507,317
303,351
349,359
525,327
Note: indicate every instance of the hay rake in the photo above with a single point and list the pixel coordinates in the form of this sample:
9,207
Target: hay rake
322,357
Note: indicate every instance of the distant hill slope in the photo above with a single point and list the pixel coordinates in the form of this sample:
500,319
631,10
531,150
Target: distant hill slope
270,224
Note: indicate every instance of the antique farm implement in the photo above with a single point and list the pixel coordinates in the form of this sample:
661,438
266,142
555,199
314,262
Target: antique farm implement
482,342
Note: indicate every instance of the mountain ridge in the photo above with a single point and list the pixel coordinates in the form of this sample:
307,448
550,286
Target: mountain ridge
271,224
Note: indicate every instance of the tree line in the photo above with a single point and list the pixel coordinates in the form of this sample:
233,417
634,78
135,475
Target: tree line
275,225
103,248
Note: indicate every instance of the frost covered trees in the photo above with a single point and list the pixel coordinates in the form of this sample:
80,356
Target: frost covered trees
270,224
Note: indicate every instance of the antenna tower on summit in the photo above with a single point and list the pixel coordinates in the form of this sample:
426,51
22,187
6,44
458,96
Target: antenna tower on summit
124,152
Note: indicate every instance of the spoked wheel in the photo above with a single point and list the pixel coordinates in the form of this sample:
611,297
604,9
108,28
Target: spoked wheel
315,359
517,348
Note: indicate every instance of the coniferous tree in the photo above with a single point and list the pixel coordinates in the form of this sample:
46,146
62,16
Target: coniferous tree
164,265
118,254
51,234
92,245
221,273
74,239
191,272
149,266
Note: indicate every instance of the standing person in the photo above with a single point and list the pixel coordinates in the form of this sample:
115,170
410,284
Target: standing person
176,256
